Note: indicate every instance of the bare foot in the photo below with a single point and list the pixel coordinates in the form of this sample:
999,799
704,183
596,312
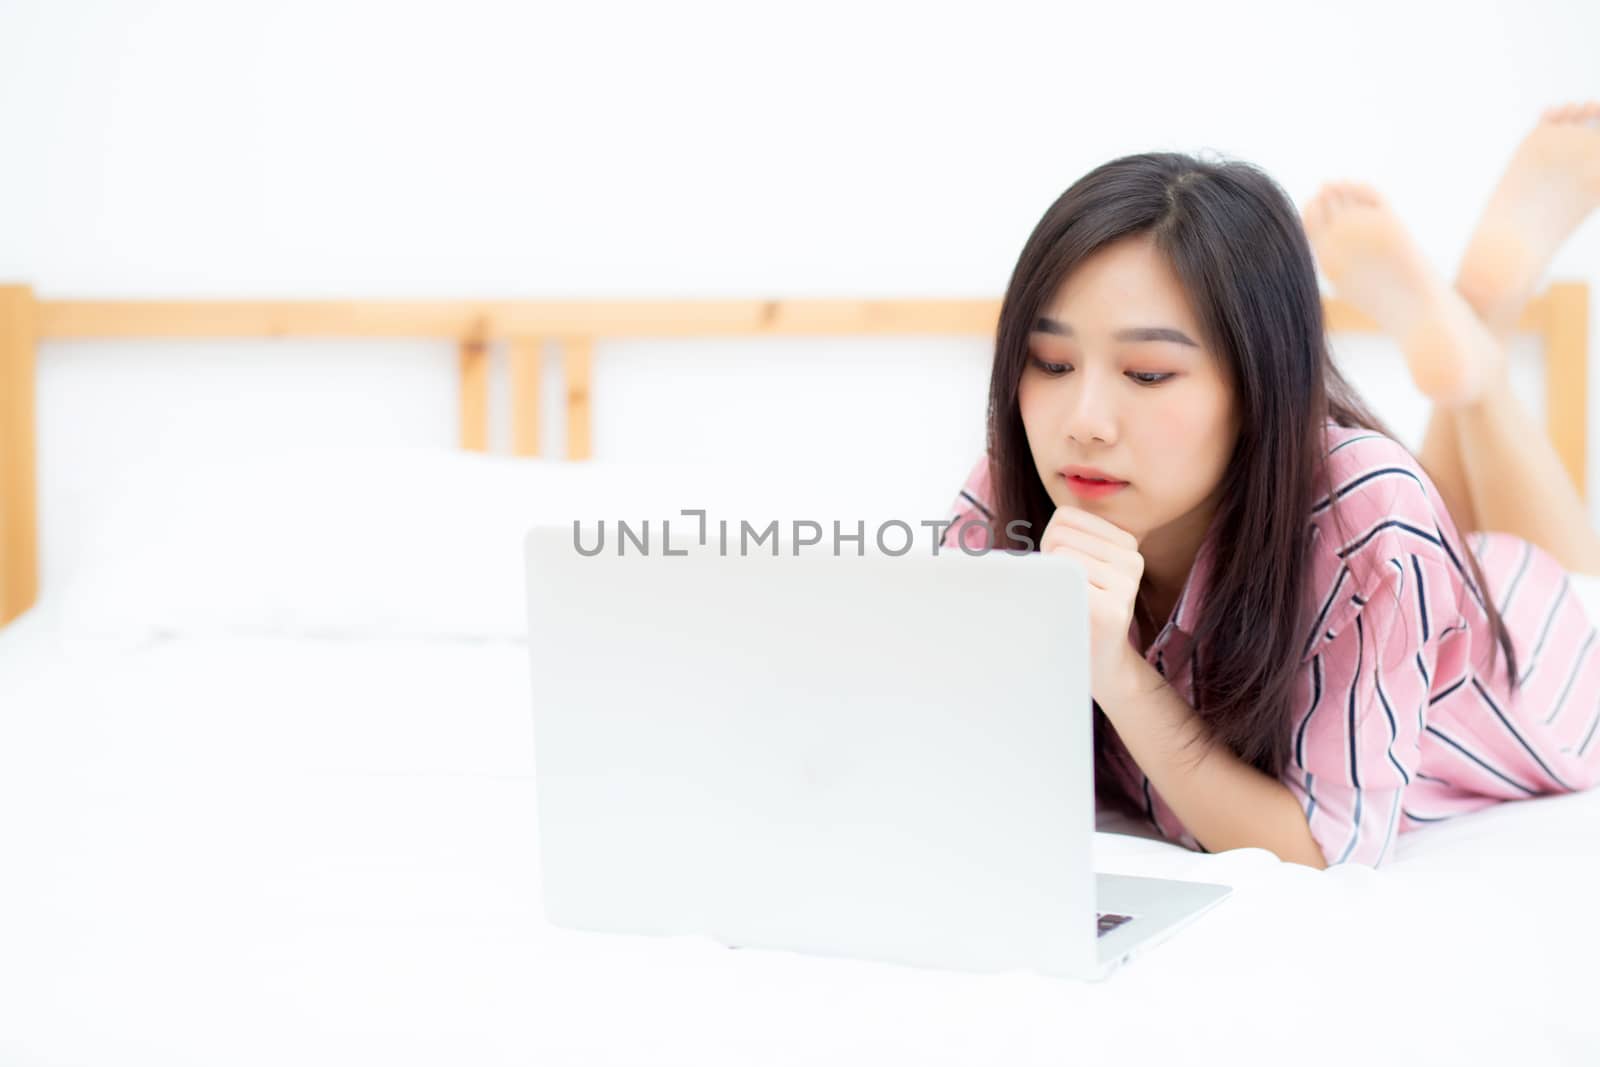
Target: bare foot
1373,264
1551,184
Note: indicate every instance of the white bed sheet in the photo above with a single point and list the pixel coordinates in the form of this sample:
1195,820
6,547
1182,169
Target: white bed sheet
267,850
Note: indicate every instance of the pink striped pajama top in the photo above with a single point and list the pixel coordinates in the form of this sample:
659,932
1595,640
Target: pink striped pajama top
1398,721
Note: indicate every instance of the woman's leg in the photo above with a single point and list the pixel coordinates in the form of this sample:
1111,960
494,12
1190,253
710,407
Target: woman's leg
1517,480
1521,228
1504,463
1440,456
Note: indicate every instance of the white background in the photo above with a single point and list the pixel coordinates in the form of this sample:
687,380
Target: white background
291,149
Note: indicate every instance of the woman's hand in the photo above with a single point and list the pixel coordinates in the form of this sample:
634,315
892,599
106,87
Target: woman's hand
1110,558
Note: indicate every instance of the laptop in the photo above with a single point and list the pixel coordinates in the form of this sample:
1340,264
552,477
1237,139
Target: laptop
882,757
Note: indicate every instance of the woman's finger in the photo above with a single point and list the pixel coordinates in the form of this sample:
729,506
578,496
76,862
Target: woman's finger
1090,544
1094,524
1099,573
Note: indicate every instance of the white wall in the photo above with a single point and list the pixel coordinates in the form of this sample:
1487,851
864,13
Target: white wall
680,150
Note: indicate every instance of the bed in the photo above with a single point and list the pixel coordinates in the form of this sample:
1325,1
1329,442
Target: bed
262,804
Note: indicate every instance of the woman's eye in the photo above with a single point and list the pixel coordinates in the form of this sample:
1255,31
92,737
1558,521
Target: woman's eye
1142,377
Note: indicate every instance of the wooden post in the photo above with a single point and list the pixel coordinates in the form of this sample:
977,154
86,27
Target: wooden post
525,373
474,358
576,361
19,492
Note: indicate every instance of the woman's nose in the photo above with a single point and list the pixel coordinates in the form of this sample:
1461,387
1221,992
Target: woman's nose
1091,408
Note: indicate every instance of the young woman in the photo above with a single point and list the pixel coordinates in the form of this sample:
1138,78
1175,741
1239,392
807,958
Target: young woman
1303,637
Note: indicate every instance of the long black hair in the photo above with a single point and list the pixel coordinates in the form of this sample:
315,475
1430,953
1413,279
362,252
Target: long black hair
1238,247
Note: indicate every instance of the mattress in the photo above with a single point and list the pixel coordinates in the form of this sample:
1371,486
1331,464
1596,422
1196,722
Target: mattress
236,848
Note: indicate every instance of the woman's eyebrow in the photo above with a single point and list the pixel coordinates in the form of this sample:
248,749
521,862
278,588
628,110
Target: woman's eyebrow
1138,333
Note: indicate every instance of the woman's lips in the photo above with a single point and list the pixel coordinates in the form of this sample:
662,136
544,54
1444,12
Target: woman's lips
1087,487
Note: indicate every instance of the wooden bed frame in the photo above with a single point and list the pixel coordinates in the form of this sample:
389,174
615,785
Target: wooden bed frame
1560,315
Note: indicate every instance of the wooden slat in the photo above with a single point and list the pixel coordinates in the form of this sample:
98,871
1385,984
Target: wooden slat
19,494
1566,381
474,359
576,362
527,318
525,373
258,318
881,317
531,318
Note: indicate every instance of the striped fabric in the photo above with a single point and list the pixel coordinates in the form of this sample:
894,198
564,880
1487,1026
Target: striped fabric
1403,715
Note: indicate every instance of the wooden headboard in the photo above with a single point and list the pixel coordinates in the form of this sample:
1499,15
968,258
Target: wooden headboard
1560,315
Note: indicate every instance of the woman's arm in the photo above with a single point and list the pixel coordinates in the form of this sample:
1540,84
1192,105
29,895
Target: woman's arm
1223,801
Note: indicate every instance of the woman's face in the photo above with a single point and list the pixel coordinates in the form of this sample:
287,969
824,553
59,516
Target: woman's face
1120,378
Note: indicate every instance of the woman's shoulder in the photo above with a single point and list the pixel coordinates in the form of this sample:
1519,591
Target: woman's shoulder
1376,518
1366,465
1377,488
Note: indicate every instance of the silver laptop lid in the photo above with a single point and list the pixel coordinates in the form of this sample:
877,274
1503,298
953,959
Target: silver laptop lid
882,757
